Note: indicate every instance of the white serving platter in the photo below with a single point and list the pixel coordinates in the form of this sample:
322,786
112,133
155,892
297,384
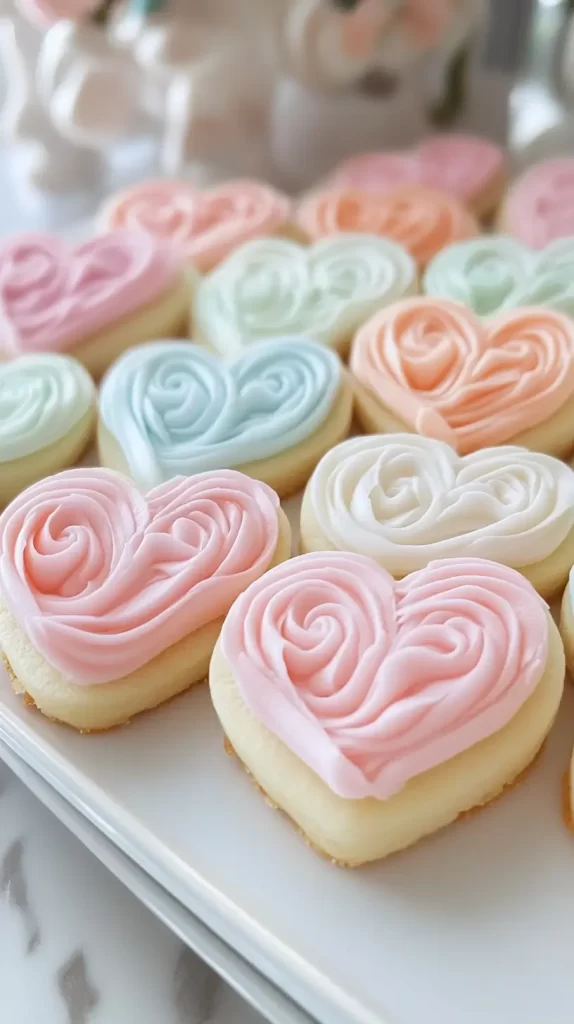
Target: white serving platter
473,926
247,982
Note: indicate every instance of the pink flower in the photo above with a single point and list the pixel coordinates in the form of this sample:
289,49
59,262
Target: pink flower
45,12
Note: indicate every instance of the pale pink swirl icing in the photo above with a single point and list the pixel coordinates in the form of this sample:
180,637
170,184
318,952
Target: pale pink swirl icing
540,205
53,296
462,165
371,682
102,578
206,226
449,375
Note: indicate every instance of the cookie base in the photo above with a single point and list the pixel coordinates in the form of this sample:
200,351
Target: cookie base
354,832
106,705
555,436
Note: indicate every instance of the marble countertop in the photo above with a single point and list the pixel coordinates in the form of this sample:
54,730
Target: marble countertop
77,948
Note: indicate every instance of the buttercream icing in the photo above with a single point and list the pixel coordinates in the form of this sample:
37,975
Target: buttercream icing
462,165
42,397
539,206
496,272
371,682
406,500
206,226
174,408
449,375
273,287
53,296
102,578
420,219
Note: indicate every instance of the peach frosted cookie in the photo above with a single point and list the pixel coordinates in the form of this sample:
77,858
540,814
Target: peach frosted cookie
111,601
405,500
374,712
273,287
431,366
47,418
422,220
92,300
539,205
205,225
170,407
471,169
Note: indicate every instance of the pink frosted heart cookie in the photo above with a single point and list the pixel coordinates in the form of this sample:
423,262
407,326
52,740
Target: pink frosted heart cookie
374,712
431,366
92,300
539,205
205,226
111,600
469,168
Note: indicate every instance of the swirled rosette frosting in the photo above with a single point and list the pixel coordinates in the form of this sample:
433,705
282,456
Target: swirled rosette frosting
102,578
405,500
53,296
495,273
272,287
420,219
206,226
42,397
462,165
174,408
448,375
539,206
371,682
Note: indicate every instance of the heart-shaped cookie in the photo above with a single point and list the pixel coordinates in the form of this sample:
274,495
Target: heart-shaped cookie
174,408
539,205
101,578
53,296
405,500
272,287
206,226
42,398
442,372
465,166
420,219
371,682
496,272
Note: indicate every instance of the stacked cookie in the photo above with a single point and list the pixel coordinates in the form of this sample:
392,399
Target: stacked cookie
212,352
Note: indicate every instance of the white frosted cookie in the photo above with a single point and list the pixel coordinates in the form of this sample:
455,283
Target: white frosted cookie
373,712
171,407
405,500
274,287
47,418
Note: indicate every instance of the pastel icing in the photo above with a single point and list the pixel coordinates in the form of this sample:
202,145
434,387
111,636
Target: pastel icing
420,219
447,374
462,165
102,578
273,287
42,398
53,296
372,682
174,408
539,207
406,500
206,226
496,272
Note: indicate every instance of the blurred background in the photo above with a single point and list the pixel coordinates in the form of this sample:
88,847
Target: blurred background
97,93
